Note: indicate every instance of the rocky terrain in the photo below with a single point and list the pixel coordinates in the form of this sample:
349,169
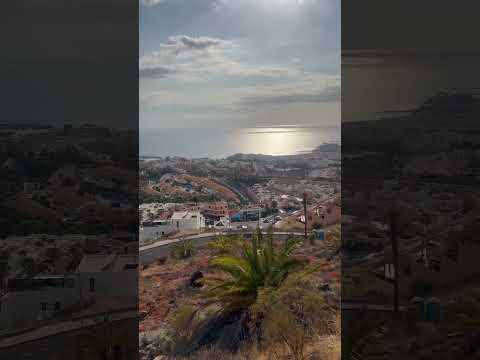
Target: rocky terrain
165,289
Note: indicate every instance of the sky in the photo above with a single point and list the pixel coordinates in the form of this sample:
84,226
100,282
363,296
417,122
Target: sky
76,62
401,66
239,63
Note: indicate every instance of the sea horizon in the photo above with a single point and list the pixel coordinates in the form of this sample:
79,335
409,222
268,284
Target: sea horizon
220,143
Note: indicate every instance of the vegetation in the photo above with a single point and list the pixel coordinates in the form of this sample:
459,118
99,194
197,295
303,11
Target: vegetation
182,320
183,249
305,316
335,235
465,314
260,302
259,265
223,245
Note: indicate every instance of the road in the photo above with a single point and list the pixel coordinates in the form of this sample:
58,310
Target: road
159,249
64,326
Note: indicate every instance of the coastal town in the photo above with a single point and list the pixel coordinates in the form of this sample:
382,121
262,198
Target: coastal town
183,197
195,211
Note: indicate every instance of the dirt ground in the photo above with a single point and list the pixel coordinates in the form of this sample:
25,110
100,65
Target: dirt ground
163,285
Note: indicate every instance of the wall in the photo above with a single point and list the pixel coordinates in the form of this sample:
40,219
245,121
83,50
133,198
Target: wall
122,284
148,233
30,303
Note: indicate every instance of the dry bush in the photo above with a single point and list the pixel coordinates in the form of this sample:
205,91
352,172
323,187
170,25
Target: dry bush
182,321
293,318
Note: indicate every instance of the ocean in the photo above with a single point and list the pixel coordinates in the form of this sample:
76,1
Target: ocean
221,142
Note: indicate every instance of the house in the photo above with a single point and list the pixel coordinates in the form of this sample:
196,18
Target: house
109,277
216,209
154,230
326,213
187,220
438,264
40,298
100,279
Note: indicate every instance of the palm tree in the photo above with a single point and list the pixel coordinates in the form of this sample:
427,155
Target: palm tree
258,265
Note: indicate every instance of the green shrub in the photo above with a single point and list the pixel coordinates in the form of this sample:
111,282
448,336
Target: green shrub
258,265
183,249
223,245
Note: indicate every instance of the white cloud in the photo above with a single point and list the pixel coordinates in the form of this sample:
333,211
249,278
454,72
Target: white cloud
197,57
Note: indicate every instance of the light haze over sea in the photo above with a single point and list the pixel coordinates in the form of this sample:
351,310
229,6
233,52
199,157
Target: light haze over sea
223,142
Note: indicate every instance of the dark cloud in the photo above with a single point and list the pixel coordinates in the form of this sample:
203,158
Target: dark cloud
156,72
195,42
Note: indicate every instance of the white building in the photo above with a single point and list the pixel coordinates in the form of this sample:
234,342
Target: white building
155,230
104,277
187,220
222,224
110,281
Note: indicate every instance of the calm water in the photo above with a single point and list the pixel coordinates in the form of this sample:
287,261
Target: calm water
219,143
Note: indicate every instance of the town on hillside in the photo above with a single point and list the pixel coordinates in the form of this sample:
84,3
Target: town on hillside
182,197
410,227
69,245
199,215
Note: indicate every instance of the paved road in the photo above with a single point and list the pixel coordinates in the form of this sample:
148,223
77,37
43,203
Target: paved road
64,326
159,249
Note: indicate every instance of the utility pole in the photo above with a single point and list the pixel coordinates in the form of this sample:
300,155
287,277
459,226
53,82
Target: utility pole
394,241
305,214
259,216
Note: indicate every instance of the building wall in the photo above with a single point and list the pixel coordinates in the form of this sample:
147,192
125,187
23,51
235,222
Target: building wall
217,209
121,285
189,223
148,233
322,217
31,304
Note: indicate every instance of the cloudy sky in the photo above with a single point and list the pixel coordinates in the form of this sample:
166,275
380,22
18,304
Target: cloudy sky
234,63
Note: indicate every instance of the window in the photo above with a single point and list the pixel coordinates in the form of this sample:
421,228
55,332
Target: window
130,266
92,285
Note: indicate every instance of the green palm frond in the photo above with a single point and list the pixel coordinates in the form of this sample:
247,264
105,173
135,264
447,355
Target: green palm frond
259,265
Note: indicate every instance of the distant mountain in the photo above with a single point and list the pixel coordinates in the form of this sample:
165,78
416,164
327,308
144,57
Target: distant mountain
328,147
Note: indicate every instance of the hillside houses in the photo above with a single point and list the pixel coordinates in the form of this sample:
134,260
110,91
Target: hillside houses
99,279
446,262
